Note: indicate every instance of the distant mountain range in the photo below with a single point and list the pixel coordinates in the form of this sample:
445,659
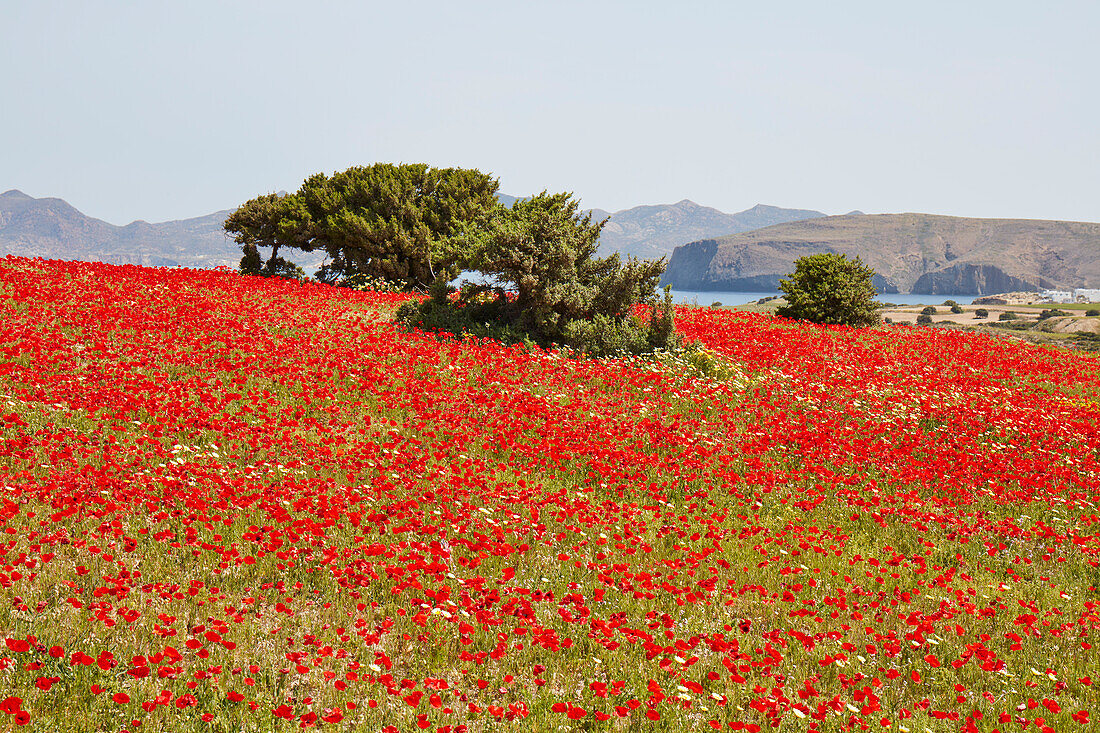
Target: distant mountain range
749,250
650,232
53,229
917,253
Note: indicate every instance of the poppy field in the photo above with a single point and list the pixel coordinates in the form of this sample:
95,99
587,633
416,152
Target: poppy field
246,504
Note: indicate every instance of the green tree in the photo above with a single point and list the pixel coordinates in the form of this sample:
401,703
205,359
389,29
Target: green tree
271,220
830,289
981,313
544,284
403,224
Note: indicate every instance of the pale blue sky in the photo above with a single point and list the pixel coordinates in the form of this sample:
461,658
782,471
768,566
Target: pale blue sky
161,110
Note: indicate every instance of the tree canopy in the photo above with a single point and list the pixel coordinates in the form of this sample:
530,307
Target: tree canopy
403,224
829,288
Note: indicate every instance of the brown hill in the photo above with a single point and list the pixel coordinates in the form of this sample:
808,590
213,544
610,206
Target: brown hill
917,253
52,229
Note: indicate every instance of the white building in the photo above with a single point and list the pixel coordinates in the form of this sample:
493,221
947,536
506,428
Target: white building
1086,295
1058,296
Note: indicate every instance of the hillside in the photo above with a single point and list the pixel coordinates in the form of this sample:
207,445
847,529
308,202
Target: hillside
917,253
650,232
53,229
242,504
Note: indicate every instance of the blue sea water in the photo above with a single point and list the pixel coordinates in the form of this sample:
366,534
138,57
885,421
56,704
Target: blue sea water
706,297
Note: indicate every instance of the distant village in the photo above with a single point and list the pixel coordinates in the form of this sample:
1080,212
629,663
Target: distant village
1077,295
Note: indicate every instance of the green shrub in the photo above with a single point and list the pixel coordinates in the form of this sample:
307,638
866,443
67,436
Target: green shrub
981,313
1007,316
929,310
956,308
950,304
924,320
545,287
1052,313
830,289
1092,312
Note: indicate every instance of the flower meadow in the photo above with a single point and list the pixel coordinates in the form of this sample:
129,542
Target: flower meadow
245,504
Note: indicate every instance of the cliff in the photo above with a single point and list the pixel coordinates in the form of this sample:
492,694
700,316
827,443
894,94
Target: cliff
917,253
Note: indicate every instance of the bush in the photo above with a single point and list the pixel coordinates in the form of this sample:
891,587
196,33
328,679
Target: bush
830,289
956,309
1051,313
981,313
950,304
544,286
1092,312
924,320
716,304
1007,316
929,310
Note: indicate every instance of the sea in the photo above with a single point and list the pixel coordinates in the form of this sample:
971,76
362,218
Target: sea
708,297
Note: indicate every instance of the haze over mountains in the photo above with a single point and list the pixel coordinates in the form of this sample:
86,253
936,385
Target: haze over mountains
710,249
650,232
911,253
53,229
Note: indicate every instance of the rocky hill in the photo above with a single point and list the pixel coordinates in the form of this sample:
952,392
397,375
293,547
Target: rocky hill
52,229
912,253
650,232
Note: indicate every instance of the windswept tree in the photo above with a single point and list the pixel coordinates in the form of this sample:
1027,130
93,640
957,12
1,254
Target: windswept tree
404,224
272,220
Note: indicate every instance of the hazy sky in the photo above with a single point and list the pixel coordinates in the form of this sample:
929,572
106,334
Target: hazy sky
166,110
